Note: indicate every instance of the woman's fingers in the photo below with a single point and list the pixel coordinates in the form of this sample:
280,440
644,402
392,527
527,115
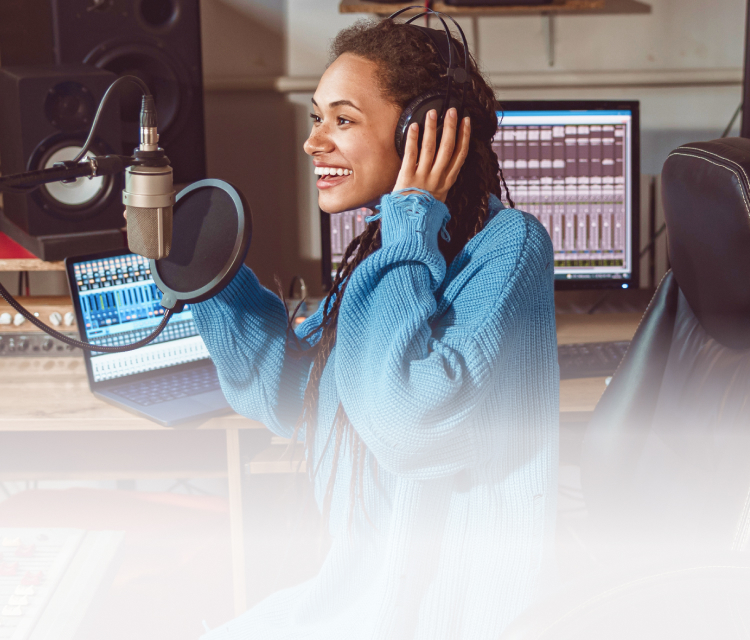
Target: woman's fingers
411,150
462,150
409,163
447,142
427,153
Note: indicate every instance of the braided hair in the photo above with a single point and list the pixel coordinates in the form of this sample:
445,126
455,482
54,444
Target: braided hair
408,64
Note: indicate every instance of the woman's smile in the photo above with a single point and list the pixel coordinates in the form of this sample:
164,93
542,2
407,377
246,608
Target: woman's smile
330,175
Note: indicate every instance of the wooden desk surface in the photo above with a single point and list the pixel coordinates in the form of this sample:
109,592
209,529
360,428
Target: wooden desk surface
52,394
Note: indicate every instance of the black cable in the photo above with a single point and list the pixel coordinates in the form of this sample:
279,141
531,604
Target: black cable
654,238
731,122
143,87
77,343
598,303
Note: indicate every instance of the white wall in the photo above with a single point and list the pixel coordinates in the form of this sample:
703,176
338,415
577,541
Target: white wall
683,61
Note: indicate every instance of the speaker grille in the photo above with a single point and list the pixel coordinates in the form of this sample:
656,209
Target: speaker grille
143,232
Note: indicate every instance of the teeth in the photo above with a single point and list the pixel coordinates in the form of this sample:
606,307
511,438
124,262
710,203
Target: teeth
332,171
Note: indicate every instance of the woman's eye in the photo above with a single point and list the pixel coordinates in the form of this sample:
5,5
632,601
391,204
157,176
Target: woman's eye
343,120
315,117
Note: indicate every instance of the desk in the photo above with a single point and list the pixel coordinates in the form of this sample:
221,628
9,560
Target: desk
579,396
52,395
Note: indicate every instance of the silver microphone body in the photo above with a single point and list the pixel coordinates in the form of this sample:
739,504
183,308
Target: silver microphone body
148,198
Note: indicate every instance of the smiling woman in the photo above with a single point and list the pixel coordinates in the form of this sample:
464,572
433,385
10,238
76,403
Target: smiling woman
358,139
425,387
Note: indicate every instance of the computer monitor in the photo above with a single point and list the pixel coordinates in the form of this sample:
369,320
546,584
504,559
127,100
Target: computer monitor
575,166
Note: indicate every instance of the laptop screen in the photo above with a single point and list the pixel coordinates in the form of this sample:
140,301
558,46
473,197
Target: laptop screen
118,304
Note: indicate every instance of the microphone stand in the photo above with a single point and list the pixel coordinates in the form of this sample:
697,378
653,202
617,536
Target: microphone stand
70,171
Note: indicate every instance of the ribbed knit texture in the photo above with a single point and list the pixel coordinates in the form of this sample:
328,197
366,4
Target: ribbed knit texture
451,381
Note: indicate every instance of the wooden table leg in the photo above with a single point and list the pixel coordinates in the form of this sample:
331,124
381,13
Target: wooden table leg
234,476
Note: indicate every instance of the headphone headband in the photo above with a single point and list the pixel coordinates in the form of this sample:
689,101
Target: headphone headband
458,78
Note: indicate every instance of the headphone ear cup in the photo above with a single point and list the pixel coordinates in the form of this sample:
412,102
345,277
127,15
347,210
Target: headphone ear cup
416,111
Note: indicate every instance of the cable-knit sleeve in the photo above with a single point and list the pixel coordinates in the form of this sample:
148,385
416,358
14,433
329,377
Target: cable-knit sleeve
408,381
262,368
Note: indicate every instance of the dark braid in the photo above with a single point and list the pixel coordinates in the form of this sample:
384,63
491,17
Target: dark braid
408,65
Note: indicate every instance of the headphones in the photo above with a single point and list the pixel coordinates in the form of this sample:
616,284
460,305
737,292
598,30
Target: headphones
439,99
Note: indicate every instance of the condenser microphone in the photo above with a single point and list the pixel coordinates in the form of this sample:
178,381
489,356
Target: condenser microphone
149,196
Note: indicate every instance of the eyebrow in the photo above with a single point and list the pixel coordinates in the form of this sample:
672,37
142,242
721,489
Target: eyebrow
340,103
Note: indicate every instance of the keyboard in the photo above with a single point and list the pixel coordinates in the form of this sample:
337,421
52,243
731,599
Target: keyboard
171,386
590,360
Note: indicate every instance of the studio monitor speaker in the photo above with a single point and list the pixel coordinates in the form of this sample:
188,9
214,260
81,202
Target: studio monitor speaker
156,40
45,115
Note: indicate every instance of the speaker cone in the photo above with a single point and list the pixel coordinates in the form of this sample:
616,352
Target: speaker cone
78,194
75,200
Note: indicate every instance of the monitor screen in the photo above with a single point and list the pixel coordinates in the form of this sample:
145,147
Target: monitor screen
118,304
574,165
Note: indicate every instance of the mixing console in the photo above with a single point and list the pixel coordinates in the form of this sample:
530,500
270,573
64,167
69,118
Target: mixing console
47,579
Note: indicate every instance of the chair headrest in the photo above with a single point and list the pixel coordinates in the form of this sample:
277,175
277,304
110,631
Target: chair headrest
706,198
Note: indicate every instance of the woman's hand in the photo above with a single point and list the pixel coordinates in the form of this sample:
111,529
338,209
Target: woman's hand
435,174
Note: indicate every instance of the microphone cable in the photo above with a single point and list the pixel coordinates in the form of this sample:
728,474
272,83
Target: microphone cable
69,168
77,343
92,132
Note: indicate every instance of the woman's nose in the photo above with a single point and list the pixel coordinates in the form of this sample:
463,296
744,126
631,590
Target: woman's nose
318,141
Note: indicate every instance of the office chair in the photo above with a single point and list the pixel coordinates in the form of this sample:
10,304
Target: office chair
665,465
666,456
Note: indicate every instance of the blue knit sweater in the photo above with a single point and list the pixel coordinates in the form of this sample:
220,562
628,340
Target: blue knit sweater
450,379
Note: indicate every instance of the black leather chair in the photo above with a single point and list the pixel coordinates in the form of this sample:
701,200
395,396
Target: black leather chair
666,456
665,464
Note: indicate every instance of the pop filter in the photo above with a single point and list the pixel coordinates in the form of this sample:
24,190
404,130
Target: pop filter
211,236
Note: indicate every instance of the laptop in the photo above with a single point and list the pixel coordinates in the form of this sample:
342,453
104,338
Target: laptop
171,380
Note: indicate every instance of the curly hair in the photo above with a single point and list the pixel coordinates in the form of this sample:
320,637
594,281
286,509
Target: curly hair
408,64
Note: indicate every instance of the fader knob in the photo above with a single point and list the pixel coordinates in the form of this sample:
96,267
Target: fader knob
55,318
18,320
5,318
69,319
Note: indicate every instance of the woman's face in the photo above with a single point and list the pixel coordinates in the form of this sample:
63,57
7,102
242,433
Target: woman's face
352,136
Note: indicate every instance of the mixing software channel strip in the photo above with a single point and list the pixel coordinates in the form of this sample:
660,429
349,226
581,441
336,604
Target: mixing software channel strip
119,305
571,170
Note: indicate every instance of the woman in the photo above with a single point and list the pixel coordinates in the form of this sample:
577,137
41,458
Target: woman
426,390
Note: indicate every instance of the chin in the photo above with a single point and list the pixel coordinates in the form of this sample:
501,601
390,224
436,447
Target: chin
337,204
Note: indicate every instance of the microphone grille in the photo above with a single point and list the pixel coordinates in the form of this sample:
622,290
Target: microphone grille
150,231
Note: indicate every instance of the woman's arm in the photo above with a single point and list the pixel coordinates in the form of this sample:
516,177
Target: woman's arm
408,387
262,369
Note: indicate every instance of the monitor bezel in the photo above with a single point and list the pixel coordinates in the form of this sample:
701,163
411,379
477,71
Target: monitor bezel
633,106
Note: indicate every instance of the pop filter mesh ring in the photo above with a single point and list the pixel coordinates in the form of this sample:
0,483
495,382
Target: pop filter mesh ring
175,299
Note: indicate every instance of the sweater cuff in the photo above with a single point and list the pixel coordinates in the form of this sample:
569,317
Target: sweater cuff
412,212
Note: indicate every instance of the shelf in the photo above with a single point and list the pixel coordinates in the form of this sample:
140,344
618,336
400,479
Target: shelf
556,7
13,257
30,264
